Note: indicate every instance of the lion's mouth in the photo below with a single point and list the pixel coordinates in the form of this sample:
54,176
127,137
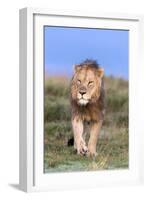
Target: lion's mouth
82,99
83,102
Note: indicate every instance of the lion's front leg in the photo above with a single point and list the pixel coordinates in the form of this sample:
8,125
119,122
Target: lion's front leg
79,143
94,132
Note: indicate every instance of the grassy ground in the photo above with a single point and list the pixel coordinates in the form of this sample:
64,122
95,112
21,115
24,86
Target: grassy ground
112,145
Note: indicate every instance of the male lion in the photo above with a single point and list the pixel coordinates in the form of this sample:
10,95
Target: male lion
87,105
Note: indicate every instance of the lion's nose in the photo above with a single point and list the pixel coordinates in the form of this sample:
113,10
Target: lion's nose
82,92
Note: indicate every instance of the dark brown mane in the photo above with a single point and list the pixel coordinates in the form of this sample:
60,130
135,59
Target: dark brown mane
90,63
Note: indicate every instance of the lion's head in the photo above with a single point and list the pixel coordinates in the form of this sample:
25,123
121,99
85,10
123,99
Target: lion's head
86,83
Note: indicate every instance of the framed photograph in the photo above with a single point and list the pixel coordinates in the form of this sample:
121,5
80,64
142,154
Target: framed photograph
80,123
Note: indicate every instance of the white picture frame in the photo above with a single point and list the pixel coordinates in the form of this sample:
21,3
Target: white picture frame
31,174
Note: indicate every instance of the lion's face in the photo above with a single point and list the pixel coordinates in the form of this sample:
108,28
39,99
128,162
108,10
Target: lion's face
86,84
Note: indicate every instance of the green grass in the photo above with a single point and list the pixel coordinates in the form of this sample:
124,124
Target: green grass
112,147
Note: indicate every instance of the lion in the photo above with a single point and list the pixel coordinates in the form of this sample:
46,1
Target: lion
87,105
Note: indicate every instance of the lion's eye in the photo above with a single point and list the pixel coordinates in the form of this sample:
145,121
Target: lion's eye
78,81
90,83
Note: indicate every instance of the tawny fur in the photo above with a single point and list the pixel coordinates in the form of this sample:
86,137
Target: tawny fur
87,105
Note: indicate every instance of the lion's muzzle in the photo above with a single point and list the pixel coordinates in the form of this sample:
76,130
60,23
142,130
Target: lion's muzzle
82,97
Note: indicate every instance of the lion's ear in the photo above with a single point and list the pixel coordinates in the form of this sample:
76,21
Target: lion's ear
100,72
77,68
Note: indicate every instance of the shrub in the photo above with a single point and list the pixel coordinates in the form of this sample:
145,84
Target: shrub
58,128
58,109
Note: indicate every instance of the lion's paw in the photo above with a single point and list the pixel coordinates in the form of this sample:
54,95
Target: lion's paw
82,150
91,152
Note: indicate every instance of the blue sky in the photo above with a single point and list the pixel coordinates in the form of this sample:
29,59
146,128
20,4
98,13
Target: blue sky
65,47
